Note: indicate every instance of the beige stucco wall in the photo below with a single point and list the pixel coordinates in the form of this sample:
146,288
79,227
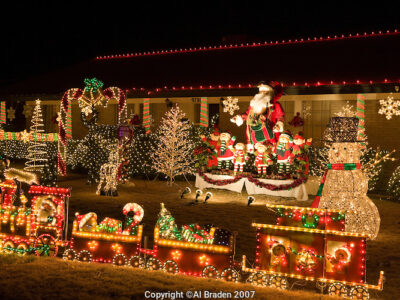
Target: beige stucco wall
380,131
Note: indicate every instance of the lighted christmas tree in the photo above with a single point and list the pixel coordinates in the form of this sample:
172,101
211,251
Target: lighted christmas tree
37,152
173,154
394,184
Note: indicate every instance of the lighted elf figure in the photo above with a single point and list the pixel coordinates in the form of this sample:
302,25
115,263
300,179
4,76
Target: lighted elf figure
239,157
224,149
265,116
283,152
299,150
263,158
344,185
212,144
166,223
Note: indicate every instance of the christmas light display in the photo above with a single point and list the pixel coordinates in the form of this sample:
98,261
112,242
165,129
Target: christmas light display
326,256
33,225
110,241
230,105
91,96
394,184
347,111
146,115
11,113
203,112
345,185
172,155
37,152
255,44
3,115
389,107
108,175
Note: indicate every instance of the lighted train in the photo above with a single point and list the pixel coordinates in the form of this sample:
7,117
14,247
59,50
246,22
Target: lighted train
306,244
35,225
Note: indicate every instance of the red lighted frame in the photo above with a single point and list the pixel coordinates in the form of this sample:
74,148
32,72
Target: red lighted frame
251,86
252,45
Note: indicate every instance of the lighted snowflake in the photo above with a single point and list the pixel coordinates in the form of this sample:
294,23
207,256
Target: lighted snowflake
389,107
347,111
11,114
230,105
306,111
25,136
28,109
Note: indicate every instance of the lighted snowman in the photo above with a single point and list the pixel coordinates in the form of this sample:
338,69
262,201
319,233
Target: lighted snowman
346,185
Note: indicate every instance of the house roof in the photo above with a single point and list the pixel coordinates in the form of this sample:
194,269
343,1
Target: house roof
357,63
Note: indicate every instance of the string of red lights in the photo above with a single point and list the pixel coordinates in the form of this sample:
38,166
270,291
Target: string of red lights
249,86
252,45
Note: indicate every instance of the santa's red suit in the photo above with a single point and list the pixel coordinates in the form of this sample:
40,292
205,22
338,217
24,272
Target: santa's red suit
263,114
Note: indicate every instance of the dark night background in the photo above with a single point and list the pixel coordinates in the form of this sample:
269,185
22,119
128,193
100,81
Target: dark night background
45,35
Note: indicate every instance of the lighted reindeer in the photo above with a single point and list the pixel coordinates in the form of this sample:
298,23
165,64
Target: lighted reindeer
108,175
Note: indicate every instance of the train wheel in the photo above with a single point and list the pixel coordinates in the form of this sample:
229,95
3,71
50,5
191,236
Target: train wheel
359,292
8,247
120,260
258,279
136,262
69,254
22,249
45,245
85,256
210,272
230,274
337,289
279,282
171,267
153,264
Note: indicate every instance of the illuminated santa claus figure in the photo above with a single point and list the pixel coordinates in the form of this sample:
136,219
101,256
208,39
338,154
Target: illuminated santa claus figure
265,116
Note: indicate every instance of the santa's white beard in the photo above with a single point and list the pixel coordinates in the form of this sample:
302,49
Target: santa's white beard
260,102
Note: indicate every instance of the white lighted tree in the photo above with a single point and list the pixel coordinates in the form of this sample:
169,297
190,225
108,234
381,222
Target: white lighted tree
37,151
173,153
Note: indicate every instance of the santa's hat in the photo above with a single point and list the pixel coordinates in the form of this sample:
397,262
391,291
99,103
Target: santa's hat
278,90
83,219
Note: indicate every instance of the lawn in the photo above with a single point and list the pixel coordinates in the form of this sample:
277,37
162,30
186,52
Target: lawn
37,278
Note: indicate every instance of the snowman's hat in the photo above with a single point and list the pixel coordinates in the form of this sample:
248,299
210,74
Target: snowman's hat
342,130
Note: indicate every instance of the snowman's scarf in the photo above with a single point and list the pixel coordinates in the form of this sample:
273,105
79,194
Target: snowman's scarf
345,167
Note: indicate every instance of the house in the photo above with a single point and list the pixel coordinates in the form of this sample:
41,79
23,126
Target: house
320,75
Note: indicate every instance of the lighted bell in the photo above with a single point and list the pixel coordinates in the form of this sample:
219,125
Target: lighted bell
187,190
198,194
250,200
208,196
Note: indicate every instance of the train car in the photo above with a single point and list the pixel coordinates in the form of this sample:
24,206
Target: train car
310,244
202,251
194,258
107,242
34,225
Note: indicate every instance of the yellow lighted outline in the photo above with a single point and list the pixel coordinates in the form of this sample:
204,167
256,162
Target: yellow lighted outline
105,236
379,286
321,231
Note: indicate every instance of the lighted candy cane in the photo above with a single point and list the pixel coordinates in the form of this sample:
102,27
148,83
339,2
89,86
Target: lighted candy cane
139,213
361,119
146,115
203,112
